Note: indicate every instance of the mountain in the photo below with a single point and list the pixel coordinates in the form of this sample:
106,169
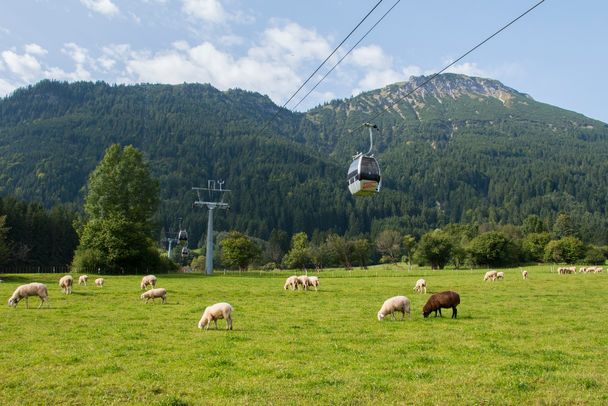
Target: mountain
458,149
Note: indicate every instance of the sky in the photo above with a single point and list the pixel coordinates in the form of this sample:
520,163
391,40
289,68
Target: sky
556,54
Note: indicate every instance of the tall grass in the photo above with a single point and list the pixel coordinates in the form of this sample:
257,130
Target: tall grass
540,341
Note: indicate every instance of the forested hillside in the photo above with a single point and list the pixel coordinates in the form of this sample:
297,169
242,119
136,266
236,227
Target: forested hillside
459,150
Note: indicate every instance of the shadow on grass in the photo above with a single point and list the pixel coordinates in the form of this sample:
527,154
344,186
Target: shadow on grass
16,278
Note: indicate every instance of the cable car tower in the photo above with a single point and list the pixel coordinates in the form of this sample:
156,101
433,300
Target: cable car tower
214,191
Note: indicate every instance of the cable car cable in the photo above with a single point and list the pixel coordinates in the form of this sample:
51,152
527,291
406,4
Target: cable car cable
400,99
345,55
319,67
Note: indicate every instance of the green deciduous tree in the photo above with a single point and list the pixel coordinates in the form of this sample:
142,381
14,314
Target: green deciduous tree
239,250
493,249
435,248
298,255
534,245
116,232
341,249
388,244
567,249
4,249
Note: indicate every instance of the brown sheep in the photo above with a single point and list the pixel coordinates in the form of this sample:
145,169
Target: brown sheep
445,299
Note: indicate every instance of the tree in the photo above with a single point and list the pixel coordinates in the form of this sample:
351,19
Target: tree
492,249
388,244
533,224
534,245
567,249
116,233
435,248
198,264
298,255
238,250
4,248
564,226
594,256
341,249
361,251
319,255
278,244
409,243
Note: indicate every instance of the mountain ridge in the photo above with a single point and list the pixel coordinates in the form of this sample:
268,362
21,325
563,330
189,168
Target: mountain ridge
448,154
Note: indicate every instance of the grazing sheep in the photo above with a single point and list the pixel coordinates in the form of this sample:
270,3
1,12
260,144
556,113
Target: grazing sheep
598,269
395,304
566,270
303,280
65,283
154,294
82,280
314,282
148,280
215,312
291,282
31,289
445,299
99,282
420,286
500,275
524,274
490,275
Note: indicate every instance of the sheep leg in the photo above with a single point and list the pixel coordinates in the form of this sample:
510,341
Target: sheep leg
228,323
41,303
164,299
454,312
215,321
26,303
403,314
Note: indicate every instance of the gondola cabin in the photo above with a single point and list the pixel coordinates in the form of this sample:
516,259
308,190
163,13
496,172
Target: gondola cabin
364,177
182,236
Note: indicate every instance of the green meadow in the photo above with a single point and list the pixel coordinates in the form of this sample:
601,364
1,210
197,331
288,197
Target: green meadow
538,341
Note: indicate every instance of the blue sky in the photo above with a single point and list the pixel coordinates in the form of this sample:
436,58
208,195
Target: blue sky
557,54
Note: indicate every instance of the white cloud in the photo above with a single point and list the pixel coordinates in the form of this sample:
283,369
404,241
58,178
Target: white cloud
25,66
105,7
372,57
6,87
230,40
181,45
210,11
469,69
77,53
35,49
207,64
291,44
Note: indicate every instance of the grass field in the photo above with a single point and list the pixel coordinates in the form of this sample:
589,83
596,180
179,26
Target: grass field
540,341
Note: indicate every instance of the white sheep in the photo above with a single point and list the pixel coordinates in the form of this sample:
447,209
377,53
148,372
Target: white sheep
490,275
303,280
31,289
65,283
82,280
154,294
420,286
395,304
291,282
500,275
314,281
215,312
524,274
148,280
99,282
